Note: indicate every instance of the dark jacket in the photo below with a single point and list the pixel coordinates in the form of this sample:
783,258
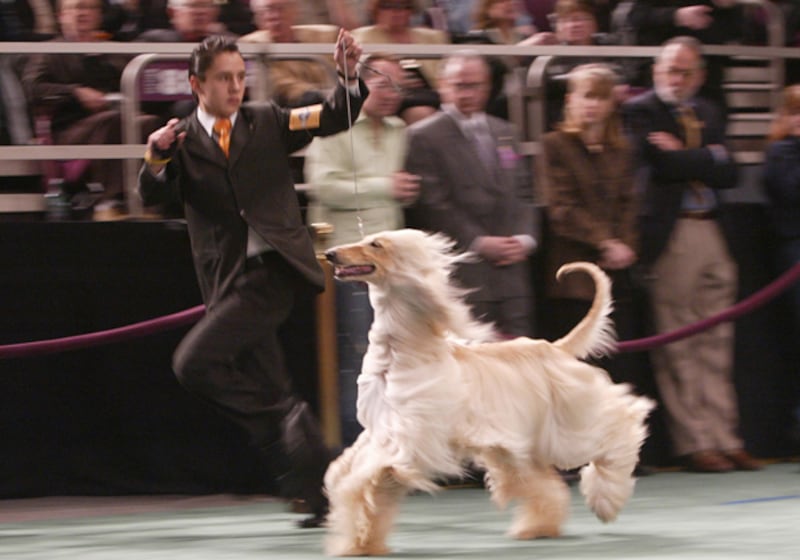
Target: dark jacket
668,174
254,187
782,181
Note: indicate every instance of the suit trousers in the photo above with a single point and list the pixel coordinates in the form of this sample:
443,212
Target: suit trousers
695,278
233,357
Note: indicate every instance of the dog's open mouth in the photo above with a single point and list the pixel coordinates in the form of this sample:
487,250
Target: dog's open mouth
348,271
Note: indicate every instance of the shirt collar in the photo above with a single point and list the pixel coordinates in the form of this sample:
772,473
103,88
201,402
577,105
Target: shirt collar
461,119
207,120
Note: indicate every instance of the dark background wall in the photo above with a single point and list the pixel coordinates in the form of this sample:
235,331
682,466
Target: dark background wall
112,419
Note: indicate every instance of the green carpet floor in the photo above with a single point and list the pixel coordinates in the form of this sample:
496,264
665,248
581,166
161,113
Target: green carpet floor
672,515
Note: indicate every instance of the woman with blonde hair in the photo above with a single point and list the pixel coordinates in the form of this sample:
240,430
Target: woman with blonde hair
591,209
782,182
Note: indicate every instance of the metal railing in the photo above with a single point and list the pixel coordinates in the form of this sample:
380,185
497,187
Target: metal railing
526,101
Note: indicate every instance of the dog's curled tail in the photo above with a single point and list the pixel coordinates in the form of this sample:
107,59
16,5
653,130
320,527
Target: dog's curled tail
594,335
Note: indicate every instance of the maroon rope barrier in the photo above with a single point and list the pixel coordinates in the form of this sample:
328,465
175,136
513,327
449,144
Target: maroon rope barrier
135,330
192,315
751,302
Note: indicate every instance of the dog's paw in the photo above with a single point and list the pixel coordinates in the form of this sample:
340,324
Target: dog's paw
537,532
343,549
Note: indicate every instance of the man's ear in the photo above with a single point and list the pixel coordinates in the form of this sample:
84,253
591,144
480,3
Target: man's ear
195,84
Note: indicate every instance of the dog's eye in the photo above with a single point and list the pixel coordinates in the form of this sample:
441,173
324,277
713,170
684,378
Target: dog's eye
376,244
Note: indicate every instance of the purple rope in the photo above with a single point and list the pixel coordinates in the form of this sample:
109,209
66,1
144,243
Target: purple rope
192,315
135,330
753,301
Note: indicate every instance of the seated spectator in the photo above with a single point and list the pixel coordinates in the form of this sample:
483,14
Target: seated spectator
234,15
782,182
190,21
295,82
72,91
575,25
27,20
496,21
392,24
341,13
364,189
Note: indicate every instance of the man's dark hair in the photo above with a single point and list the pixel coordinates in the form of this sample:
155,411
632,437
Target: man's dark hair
204,54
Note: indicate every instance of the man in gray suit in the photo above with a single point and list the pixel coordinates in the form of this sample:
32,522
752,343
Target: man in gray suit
229,166
476,189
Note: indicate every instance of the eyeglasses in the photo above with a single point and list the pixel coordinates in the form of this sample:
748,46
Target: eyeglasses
387,83
468,86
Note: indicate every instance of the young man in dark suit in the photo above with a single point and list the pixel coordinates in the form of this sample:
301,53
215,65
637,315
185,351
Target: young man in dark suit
228,164
680,142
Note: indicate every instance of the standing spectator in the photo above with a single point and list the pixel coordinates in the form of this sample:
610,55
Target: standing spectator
357,190
72,90
253,255
680,142
294,82
476,189
591,210
711,22
782,181
392,24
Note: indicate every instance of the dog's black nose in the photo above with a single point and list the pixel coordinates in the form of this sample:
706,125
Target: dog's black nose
331,256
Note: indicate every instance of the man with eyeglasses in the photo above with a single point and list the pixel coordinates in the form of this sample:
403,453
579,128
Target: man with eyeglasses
476,189
679,138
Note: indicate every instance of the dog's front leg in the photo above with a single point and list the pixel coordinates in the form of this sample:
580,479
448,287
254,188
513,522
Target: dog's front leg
364,499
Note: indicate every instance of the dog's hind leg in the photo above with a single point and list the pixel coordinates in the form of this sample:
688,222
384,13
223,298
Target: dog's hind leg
607,482
543,497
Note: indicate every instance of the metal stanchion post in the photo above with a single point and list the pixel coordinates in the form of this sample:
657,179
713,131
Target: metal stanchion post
328,370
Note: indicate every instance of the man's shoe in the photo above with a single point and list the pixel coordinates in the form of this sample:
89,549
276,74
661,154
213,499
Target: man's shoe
709,462
743,461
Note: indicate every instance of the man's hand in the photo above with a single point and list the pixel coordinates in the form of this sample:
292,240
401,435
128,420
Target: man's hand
665,141
161,141
616,255
346,53
501,251
93,100
405,187
693,17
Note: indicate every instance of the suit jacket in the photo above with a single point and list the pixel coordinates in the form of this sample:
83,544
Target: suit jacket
668,174
590,198
253,187
462,198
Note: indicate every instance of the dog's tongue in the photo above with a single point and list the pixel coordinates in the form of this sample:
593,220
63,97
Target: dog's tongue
357,270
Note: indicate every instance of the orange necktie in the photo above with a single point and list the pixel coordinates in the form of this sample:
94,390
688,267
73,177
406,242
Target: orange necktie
222,129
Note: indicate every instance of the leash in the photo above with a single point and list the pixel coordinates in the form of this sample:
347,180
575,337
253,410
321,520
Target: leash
359,221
